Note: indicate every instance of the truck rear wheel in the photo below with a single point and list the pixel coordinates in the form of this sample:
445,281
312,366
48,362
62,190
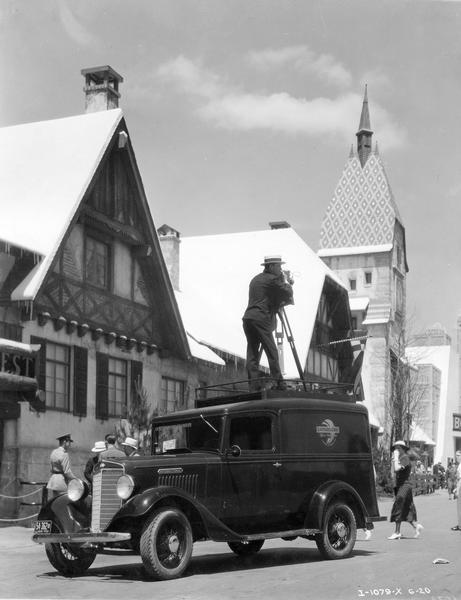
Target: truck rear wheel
339,532
166,544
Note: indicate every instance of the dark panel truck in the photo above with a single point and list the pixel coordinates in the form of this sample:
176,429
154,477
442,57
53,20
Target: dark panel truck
237,469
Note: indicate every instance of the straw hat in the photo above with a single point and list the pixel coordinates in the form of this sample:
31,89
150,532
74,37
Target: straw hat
273,259
399,444
99,447
130,442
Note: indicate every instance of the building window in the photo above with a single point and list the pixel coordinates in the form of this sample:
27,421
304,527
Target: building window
97,260
354,322
399,256
352,284
57,376
368,278
172,395
117,387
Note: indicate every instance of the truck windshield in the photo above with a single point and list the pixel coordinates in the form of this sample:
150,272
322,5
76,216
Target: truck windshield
197,434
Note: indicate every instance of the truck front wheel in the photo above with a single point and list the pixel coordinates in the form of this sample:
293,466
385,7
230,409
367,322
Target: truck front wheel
166,544
339,532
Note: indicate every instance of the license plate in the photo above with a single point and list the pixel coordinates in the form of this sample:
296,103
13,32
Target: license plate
42,526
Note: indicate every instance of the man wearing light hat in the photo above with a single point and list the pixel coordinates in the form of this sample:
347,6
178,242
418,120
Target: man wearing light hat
93,460
130,445
61,472
268,292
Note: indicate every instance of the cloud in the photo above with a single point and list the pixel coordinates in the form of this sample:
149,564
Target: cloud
74,28
302,59
226,106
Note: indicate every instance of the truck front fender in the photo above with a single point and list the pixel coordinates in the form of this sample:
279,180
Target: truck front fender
142,504
68,516
331,491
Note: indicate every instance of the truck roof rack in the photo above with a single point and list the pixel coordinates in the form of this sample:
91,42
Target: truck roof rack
238,391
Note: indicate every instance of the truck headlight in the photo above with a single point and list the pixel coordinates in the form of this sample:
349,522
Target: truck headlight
125,487
76,489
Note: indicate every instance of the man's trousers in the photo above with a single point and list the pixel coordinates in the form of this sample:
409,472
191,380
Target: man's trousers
259,334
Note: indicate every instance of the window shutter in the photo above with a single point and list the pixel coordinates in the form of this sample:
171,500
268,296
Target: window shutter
136,374
80,380
40,367
102,386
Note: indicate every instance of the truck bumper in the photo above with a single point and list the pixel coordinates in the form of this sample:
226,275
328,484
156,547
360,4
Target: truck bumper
103,537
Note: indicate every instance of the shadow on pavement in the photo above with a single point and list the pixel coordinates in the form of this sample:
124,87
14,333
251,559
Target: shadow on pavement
209,564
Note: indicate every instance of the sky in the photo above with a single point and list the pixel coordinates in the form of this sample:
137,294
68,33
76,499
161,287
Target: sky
243,112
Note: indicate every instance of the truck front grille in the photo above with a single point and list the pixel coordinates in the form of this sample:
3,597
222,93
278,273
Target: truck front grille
187,483
105,500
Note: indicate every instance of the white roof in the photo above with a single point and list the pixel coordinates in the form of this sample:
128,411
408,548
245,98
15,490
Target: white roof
418,435
358,303
215,272
346,251
45,170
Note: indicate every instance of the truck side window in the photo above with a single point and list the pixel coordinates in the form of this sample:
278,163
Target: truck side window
251,433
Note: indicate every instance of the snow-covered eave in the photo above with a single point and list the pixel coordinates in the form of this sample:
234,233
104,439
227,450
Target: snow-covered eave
351,250
28,289
203,352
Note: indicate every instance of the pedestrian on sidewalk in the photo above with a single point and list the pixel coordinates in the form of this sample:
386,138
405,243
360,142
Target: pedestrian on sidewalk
451,479
458,491
403,508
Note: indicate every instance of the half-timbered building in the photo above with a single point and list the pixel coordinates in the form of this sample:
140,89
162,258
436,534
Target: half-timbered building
85,297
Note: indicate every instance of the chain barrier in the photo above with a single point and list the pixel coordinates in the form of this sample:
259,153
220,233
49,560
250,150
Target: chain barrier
20,519
23,496
6,496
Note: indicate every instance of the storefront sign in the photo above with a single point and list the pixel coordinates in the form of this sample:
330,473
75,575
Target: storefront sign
456,422
15,364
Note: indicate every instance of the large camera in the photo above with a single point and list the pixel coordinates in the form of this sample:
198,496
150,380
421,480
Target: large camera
288,277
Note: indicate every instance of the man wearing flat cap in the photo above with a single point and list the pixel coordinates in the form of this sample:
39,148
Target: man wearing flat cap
61,472
268,292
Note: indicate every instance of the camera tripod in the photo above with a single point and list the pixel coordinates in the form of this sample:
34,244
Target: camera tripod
289,335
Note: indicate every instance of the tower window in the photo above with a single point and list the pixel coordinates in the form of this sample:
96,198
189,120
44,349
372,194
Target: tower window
352,284
368,278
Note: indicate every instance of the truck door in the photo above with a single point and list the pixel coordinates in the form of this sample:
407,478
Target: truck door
252,475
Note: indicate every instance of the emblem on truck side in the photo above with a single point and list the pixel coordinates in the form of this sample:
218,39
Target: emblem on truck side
328,432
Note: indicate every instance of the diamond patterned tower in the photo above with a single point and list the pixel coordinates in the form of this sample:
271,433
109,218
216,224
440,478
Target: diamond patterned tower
363,240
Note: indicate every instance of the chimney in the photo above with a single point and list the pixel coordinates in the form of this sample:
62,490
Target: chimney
169,241
279,225
101,88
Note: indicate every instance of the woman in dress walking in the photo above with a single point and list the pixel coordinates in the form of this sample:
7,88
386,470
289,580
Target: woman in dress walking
403,508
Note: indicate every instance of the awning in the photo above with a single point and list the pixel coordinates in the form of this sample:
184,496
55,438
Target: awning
11,346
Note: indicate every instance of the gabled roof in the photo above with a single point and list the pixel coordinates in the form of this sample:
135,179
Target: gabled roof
215,272
47,168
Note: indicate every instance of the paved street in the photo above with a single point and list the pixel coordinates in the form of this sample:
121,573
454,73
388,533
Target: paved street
289,570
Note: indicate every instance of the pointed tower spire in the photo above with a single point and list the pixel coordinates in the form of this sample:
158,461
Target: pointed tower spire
364,134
